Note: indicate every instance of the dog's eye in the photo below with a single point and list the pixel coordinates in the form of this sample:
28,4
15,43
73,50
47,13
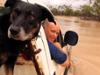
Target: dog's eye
29,17
32,22
14,14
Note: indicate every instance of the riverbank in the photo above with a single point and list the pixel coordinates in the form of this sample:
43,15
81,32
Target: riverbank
76,19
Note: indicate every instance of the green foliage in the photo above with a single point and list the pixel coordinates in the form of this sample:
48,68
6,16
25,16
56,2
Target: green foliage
86,10
91,10
77,13
62,10
68,11
96,8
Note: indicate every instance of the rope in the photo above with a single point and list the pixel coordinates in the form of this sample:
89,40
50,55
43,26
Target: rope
32,52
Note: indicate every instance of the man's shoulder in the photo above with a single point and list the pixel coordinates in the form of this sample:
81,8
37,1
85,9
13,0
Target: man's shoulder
51,45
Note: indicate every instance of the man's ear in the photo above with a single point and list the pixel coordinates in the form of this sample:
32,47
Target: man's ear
46,22
10,3
46,13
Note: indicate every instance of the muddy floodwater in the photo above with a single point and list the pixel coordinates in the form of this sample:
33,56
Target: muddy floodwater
86,53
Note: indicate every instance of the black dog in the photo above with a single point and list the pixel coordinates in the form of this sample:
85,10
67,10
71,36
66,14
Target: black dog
17,28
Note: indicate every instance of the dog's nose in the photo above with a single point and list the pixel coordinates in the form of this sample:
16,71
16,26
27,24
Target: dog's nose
14,32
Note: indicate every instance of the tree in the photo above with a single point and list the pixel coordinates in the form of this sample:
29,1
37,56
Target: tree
68,11
86,10
96,8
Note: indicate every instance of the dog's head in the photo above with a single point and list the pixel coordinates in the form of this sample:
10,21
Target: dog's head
26,19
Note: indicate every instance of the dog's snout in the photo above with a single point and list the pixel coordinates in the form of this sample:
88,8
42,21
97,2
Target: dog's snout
14,31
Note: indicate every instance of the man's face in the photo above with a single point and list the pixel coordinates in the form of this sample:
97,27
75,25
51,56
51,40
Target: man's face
51,31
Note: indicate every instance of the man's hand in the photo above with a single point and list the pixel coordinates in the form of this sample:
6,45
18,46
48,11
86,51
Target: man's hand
58,45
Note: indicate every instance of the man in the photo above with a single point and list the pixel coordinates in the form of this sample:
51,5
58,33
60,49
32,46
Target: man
57,53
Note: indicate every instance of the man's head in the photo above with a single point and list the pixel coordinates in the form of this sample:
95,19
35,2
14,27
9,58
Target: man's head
51,30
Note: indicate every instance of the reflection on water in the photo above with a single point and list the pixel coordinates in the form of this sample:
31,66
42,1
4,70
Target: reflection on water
87,50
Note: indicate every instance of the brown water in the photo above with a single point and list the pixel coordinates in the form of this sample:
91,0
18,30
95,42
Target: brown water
87,52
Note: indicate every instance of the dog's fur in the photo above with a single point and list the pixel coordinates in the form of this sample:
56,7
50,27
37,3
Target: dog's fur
17,28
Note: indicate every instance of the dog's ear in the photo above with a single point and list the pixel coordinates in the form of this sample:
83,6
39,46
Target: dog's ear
10,3
46,13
